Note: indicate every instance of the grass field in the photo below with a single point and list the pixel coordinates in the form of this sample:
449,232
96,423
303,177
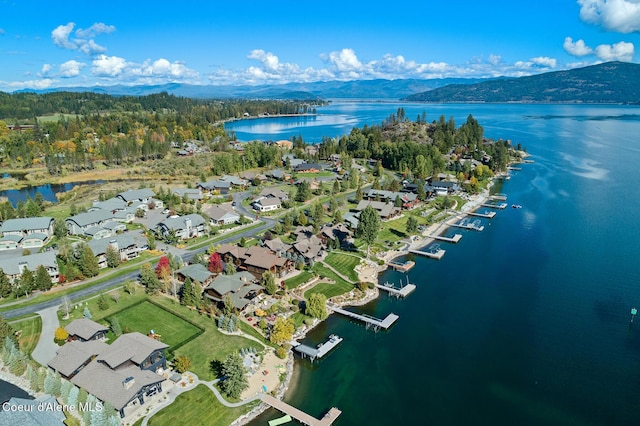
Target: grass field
294,282
198,407
147,316
29,330
330,290
344,263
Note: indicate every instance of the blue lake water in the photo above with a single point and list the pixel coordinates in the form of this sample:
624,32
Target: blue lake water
524,323
48,191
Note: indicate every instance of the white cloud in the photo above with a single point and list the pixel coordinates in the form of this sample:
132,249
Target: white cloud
44,71
544,61
614,15
621,51
60,36
30,84
345,60
164,68
578,48
268,59
83,40
71,69
110,66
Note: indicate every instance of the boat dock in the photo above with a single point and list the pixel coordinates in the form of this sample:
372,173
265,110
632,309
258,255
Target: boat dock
517,169
499,197
370,322
403,291
300,415
475,225
487,214
454,239
403,267
321,350
433,254
500,206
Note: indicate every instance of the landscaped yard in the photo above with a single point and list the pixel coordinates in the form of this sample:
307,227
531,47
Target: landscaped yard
294,282
344,263
147,316
29,330
198,407
329,289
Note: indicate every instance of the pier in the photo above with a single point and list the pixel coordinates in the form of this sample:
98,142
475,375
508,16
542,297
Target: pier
403,267
454,239
475,225
321,350
370,322
500,206
300,415
517,169
499,197
487,214
434,254
403,291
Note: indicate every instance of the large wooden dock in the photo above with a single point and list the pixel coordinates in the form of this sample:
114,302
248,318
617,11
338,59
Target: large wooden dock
486,214
500,197
300,415
454,239
370,322
403,291
500,206
403,267
433,254
469,225
321,350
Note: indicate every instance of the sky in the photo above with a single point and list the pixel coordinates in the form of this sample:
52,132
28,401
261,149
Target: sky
46,44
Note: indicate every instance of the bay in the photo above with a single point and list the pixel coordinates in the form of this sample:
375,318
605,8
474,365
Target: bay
524,323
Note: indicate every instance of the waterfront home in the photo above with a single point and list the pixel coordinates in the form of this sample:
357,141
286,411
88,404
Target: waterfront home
276,246
191,194
185,227
335,232
442,188
240,287
266,204
408,200
255,259
13,266
385,210
126,246
196,273
84,329
120,374
308,248
219,215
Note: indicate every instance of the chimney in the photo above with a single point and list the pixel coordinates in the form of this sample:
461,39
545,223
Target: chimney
128,382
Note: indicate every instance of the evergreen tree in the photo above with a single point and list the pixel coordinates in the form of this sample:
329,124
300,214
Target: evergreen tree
234,374
268,281
87,313
87,262
149,279
5,285
64,391
27,282
229,268
42,279
189,295
59,228
412,225
73,396
113,256
368,226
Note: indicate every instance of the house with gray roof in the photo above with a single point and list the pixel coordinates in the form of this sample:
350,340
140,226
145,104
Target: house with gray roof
98,232
408,199
30,232
84,329
112,204
219,215
240,287
120,374
194,194
188,226
266,204
278,174
196,273
215,186
127,246
235,181
13,266
78,224
143,195
385,210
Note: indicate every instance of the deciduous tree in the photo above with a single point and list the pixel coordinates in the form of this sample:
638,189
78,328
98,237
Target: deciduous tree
317,306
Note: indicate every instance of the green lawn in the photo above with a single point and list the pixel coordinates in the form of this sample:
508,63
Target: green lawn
124,300
147,316
198,407
294,282
330,290
210,345
344,263
29,330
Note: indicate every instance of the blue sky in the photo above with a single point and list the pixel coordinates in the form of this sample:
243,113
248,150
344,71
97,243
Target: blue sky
85,43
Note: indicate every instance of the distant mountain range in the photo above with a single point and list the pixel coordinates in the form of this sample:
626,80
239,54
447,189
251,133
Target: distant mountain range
357,89
611,82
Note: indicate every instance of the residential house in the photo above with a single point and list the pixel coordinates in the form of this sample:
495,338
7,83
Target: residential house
120,374
314,184
219,215
274,193
236,182
309,248
408,199
192,194
240,287
126,245
308,168
84,329
32,232
267,204
335,232
137,196
250,176
292,160
442,187
255,259
276,246
215,186
278,174
78,224
196,273
98,232
13,266
188,226
284,144
385,210
112,204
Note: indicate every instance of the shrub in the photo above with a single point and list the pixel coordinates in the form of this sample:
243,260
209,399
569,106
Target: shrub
281,352
61,335
181,363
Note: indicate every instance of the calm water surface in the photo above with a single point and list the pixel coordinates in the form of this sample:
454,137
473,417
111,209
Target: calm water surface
525,323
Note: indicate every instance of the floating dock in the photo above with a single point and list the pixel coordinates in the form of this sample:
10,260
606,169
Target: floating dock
454,239
500,197
403,267
487,214
321,350
282,420
475,226
370,322
300,415
403,291
434,254
500,206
